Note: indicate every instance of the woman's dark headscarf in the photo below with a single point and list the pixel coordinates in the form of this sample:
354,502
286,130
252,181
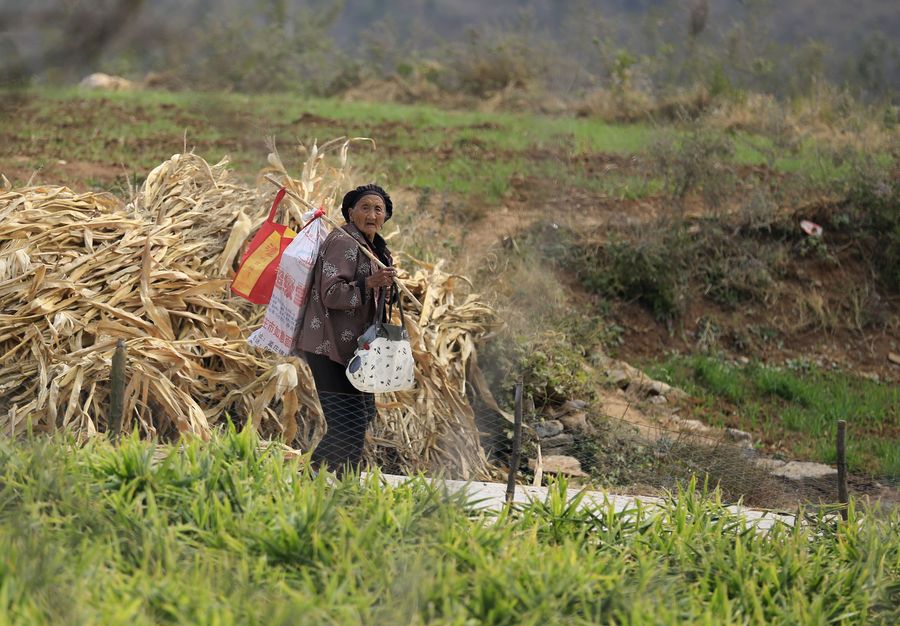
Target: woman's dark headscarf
353,196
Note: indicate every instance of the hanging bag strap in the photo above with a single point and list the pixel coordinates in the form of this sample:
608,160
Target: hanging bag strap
278,198
277,201
379,308
390,306
399,308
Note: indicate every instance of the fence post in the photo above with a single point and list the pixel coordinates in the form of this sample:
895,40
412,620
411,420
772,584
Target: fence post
516,446
117,389
843,496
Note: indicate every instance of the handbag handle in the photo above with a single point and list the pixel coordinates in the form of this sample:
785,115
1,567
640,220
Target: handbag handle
399,308
379,309
278,198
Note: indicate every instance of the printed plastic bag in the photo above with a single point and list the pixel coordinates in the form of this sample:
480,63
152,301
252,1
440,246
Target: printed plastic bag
291,288
383,360
256,274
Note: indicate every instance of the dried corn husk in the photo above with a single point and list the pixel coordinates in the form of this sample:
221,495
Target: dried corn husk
80,270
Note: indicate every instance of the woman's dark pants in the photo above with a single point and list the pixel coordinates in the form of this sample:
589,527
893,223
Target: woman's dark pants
347,410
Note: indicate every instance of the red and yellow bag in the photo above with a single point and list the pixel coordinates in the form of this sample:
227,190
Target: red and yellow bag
255,277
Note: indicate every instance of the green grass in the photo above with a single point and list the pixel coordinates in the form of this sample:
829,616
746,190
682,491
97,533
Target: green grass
754,150
221,533
797,410
472,153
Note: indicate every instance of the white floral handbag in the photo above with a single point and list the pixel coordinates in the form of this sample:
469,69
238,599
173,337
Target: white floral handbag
383,360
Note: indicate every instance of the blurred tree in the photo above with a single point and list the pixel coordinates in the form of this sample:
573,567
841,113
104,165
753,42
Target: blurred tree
873,63
809,61
88,27
699,14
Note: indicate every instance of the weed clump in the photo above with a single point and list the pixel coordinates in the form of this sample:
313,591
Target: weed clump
554,371
649,270
657,266
873,198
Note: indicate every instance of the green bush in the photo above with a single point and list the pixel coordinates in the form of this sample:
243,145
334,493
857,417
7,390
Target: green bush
650,270
553,371
873,198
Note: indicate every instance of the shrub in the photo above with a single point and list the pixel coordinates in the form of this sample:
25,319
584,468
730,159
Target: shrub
650,270
553,371
729,262
695,162
872,194
487,64
734,269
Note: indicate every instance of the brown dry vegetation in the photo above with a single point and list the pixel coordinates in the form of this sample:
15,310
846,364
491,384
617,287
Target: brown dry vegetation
807,309
529,248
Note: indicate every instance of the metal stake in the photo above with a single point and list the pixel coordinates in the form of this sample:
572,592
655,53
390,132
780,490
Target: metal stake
516,447
843,496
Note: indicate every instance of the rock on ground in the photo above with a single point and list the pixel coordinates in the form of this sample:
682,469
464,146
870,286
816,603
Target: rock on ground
559,464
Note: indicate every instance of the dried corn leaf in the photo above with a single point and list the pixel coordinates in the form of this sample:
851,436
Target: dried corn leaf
78,271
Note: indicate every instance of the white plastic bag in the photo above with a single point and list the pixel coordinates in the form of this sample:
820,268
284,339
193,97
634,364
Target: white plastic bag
383,365
285,310
383,360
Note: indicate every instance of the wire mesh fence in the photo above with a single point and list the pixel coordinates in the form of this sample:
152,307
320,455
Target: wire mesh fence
588,446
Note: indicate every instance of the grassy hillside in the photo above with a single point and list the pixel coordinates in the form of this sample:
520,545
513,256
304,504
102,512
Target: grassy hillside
645,241
476,154
794,410
221,533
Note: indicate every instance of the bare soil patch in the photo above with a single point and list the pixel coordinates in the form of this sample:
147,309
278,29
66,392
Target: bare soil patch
77,175
825,309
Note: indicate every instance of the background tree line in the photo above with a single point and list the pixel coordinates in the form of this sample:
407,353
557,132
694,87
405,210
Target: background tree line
567,46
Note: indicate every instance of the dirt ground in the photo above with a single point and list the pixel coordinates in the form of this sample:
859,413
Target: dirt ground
532,202
827,339
482,233
77,175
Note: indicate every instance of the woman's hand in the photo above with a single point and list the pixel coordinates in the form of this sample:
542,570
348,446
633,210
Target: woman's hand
381,278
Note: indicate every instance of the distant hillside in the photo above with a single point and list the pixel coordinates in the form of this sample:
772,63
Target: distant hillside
759,44
846,29
843,26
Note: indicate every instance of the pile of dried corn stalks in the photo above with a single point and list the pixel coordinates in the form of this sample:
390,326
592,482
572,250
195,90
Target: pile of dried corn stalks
79,271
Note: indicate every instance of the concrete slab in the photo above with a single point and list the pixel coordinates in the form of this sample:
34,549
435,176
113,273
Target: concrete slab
492,496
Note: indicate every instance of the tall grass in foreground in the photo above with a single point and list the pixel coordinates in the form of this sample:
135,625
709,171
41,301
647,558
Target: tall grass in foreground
222,533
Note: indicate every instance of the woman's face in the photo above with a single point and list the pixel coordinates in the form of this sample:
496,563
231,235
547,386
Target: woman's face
368,214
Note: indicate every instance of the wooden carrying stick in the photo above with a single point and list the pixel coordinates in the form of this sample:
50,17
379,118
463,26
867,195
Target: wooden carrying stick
334,224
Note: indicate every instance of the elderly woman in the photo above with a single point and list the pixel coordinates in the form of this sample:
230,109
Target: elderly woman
342,299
